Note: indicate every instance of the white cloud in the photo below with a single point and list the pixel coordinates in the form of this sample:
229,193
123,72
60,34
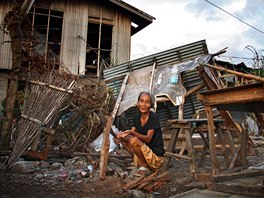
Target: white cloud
181,22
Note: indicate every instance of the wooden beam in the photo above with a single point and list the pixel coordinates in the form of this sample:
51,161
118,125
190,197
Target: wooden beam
250,76
243,94
194,89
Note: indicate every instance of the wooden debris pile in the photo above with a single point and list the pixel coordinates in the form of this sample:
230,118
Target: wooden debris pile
45,95
85,116
148,183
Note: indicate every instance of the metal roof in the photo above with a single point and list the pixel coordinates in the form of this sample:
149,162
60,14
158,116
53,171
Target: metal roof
166,110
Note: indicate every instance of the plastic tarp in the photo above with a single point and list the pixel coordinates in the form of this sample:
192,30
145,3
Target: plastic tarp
166,82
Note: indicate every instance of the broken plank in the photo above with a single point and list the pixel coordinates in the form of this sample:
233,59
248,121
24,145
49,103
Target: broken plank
153,186
142,181
160,178
230,176
244,186
132,183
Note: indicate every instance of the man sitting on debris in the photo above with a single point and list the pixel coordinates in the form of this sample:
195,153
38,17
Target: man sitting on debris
145,138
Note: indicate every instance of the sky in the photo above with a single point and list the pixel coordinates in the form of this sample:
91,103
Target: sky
180,22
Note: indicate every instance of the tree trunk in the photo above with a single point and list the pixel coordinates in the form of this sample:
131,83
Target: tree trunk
13,26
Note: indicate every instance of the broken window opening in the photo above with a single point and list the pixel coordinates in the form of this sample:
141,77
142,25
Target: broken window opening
99,47
46,34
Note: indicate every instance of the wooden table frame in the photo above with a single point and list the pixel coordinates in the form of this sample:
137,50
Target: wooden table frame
187,127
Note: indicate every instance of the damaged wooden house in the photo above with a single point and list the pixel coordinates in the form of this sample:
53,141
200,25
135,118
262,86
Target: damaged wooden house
84,37
200,109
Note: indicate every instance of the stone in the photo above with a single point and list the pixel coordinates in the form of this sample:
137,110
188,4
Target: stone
68,181
38,176
43,164
23,167
76,161
56,166
74,173
138,194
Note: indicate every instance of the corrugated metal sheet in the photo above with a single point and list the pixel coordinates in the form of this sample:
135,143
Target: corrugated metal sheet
165,110
170,56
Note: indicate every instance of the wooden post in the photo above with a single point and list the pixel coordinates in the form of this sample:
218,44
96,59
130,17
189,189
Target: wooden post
223,143
243,148
180,113
170,148
105,149
211,134
191,154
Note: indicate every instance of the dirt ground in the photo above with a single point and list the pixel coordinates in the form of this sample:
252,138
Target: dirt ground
29,186
25,185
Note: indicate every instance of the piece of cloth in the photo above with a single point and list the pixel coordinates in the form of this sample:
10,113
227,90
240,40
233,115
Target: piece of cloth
156,144
155,162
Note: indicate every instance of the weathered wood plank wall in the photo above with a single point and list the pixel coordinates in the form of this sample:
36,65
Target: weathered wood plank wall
74,33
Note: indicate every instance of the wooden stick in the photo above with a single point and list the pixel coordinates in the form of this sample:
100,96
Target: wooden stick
178,156
52,86
120,96
152,76
105,149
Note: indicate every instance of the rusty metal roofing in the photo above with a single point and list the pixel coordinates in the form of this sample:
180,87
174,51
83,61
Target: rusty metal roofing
166,110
